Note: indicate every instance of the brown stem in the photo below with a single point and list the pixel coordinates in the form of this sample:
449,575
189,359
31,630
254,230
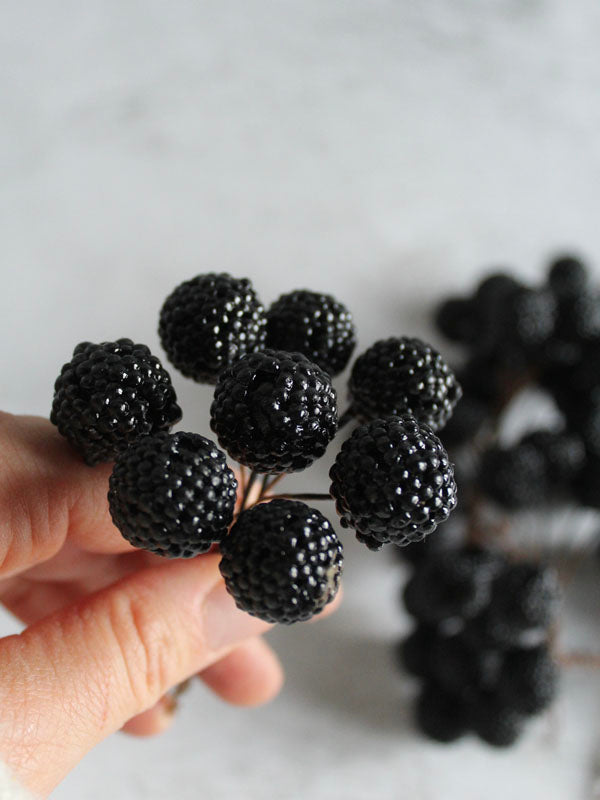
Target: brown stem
251,481
301,496
580,658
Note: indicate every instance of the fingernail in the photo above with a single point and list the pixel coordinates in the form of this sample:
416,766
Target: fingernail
224,623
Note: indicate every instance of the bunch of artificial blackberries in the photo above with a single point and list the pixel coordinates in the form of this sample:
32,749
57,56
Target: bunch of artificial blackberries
274,412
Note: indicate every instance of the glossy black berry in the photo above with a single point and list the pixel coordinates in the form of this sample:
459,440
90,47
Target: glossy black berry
392,482
495,722
567,276
440,715
467,420
414,652
315,325
282,561
526,596
172,494
450,585
458,320
403,376
274,411
529,679
111,394
209,322
519,325
563,453
515,477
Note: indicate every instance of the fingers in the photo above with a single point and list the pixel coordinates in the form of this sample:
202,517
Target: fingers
78,675
47,492
153,721
248,676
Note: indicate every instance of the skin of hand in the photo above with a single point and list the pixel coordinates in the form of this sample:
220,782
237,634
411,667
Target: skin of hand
110,629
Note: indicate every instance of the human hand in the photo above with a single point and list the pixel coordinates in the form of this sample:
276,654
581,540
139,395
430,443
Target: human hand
110,629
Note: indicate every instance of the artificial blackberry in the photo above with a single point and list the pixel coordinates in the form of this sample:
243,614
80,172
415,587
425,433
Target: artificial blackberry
519,325
414,652
315,325
458,320
111,394
515,477
172,494
392,482
274,411
567,276
529,679
441,715
457,666
493,290
468,419
494,721
586,485
209,322
451,585
282,561
563,453
526,596
403,376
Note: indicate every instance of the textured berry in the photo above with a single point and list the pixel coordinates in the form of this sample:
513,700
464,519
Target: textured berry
210,321
392,482
172,494
111,394
457,319
494,721
282,561
567,276
403,376
451,585
459,667
520,324
515,477
586,485
315,325
274,411
493,290
465,423
440,715
414,652
529,679
563,453
526,596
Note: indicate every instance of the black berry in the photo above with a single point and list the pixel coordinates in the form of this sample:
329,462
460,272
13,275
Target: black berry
274,411
172,494
315,325
393,482
282,561
209,322
403,376
111,394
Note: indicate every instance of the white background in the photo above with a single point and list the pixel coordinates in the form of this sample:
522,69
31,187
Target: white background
385,151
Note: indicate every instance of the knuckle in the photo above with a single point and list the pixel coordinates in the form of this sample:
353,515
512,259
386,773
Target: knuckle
146,645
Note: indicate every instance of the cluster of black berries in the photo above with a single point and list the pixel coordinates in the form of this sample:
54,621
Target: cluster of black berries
546,337
274,411
480,645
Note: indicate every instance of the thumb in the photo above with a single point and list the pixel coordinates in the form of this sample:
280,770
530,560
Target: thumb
80,674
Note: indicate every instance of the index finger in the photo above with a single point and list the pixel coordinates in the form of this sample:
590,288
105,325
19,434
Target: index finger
47,493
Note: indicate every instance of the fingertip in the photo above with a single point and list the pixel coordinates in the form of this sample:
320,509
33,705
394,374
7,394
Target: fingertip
250,675
154,721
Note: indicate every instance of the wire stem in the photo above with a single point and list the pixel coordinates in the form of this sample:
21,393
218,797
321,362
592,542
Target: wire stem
301,496
251,481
